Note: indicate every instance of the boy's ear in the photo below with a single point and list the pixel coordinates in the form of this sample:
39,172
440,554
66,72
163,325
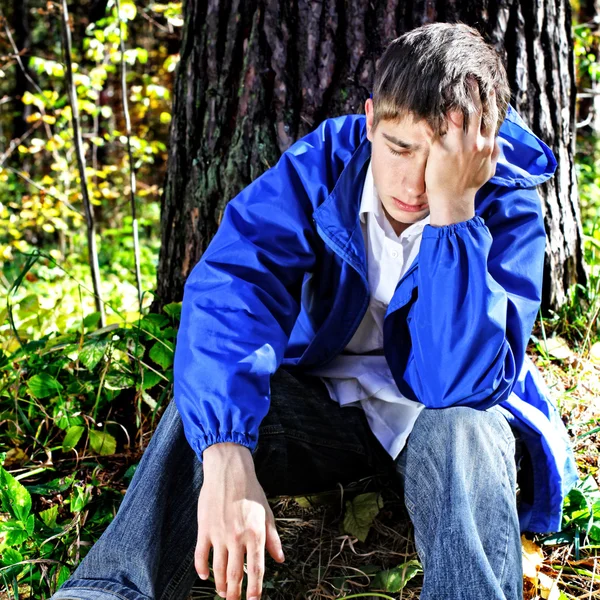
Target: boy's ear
369,114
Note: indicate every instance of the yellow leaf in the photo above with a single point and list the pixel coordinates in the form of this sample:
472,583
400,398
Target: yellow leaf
14,456
595,353
128,10
49,119
33,117
532,558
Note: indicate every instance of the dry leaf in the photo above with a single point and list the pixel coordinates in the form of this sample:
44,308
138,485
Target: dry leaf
548,587
558,347
533,558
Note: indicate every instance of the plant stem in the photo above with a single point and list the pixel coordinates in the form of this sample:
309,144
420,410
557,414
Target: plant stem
132,180
78,141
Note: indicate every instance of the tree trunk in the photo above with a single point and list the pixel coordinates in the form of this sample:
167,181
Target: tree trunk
255,76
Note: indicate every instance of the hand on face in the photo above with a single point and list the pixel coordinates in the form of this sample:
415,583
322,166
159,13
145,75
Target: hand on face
460,162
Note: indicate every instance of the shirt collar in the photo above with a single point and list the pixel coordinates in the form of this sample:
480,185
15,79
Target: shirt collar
370,203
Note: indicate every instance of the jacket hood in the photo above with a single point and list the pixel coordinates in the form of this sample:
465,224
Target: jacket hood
525,161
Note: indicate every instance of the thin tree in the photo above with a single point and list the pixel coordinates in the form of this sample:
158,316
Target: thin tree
78,142
132,179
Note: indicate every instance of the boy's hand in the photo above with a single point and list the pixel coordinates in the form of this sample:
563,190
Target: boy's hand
234,518
460,163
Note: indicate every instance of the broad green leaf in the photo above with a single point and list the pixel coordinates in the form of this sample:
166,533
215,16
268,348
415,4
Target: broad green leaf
360,513
102,442
394,580
16,500
173,310
92,352
43,385
10,556
29,305
118,381
153,322
594,533
150,379
56,486
49,515
91,320
162,354
15,532
72,437
63,575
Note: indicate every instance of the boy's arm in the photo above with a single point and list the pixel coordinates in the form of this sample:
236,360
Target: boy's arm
479,291
243,297
479,281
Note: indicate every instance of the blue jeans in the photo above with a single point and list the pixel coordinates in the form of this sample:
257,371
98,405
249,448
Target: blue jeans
458,472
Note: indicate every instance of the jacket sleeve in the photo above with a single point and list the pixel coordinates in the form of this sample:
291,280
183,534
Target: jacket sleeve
479,291
241,300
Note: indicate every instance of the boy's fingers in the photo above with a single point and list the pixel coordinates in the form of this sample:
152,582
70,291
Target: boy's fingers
255,557
203,546
220,569
235,572
273,543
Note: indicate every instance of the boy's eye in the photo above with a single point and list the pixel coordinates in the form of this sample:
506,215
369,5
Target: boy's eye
396,153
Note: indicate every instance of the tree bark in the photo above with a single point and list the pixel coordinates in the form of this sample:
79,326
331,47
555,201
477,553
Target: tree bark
256,75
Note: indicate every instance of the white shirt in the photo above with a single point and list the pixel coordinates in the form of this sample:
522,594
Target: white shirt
360,376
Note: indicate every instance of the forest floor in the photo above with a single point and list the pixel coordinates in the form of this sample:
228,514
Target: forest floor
322,562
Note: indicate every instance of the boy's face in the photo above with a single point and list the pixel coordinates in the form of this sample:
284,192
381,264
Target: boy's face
399,152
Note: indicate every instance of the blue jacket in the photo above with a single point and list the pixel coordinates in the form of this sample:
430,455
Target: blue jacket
284,281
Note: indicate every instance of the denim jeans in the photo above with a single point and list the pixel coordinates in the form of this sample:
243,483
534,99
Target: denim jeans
458,472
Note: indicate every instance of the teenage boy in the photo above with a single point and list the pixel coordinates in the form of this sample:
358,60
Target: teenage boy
366,304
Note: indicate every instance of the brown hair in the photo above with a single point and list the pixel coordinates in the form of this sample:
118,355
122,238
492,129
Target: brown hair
428,72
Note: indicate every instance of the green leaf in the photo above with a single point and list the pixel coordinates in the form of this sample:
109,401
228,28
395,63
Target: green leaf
49,515
80,496
594,533
173,310
63,575
118,381
43,385
162,354
102,442
91,320
15,532
72,437
16,500
360,513
153,322
92,353
394,580
150,379
10,556
56,486
30,524
128,476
